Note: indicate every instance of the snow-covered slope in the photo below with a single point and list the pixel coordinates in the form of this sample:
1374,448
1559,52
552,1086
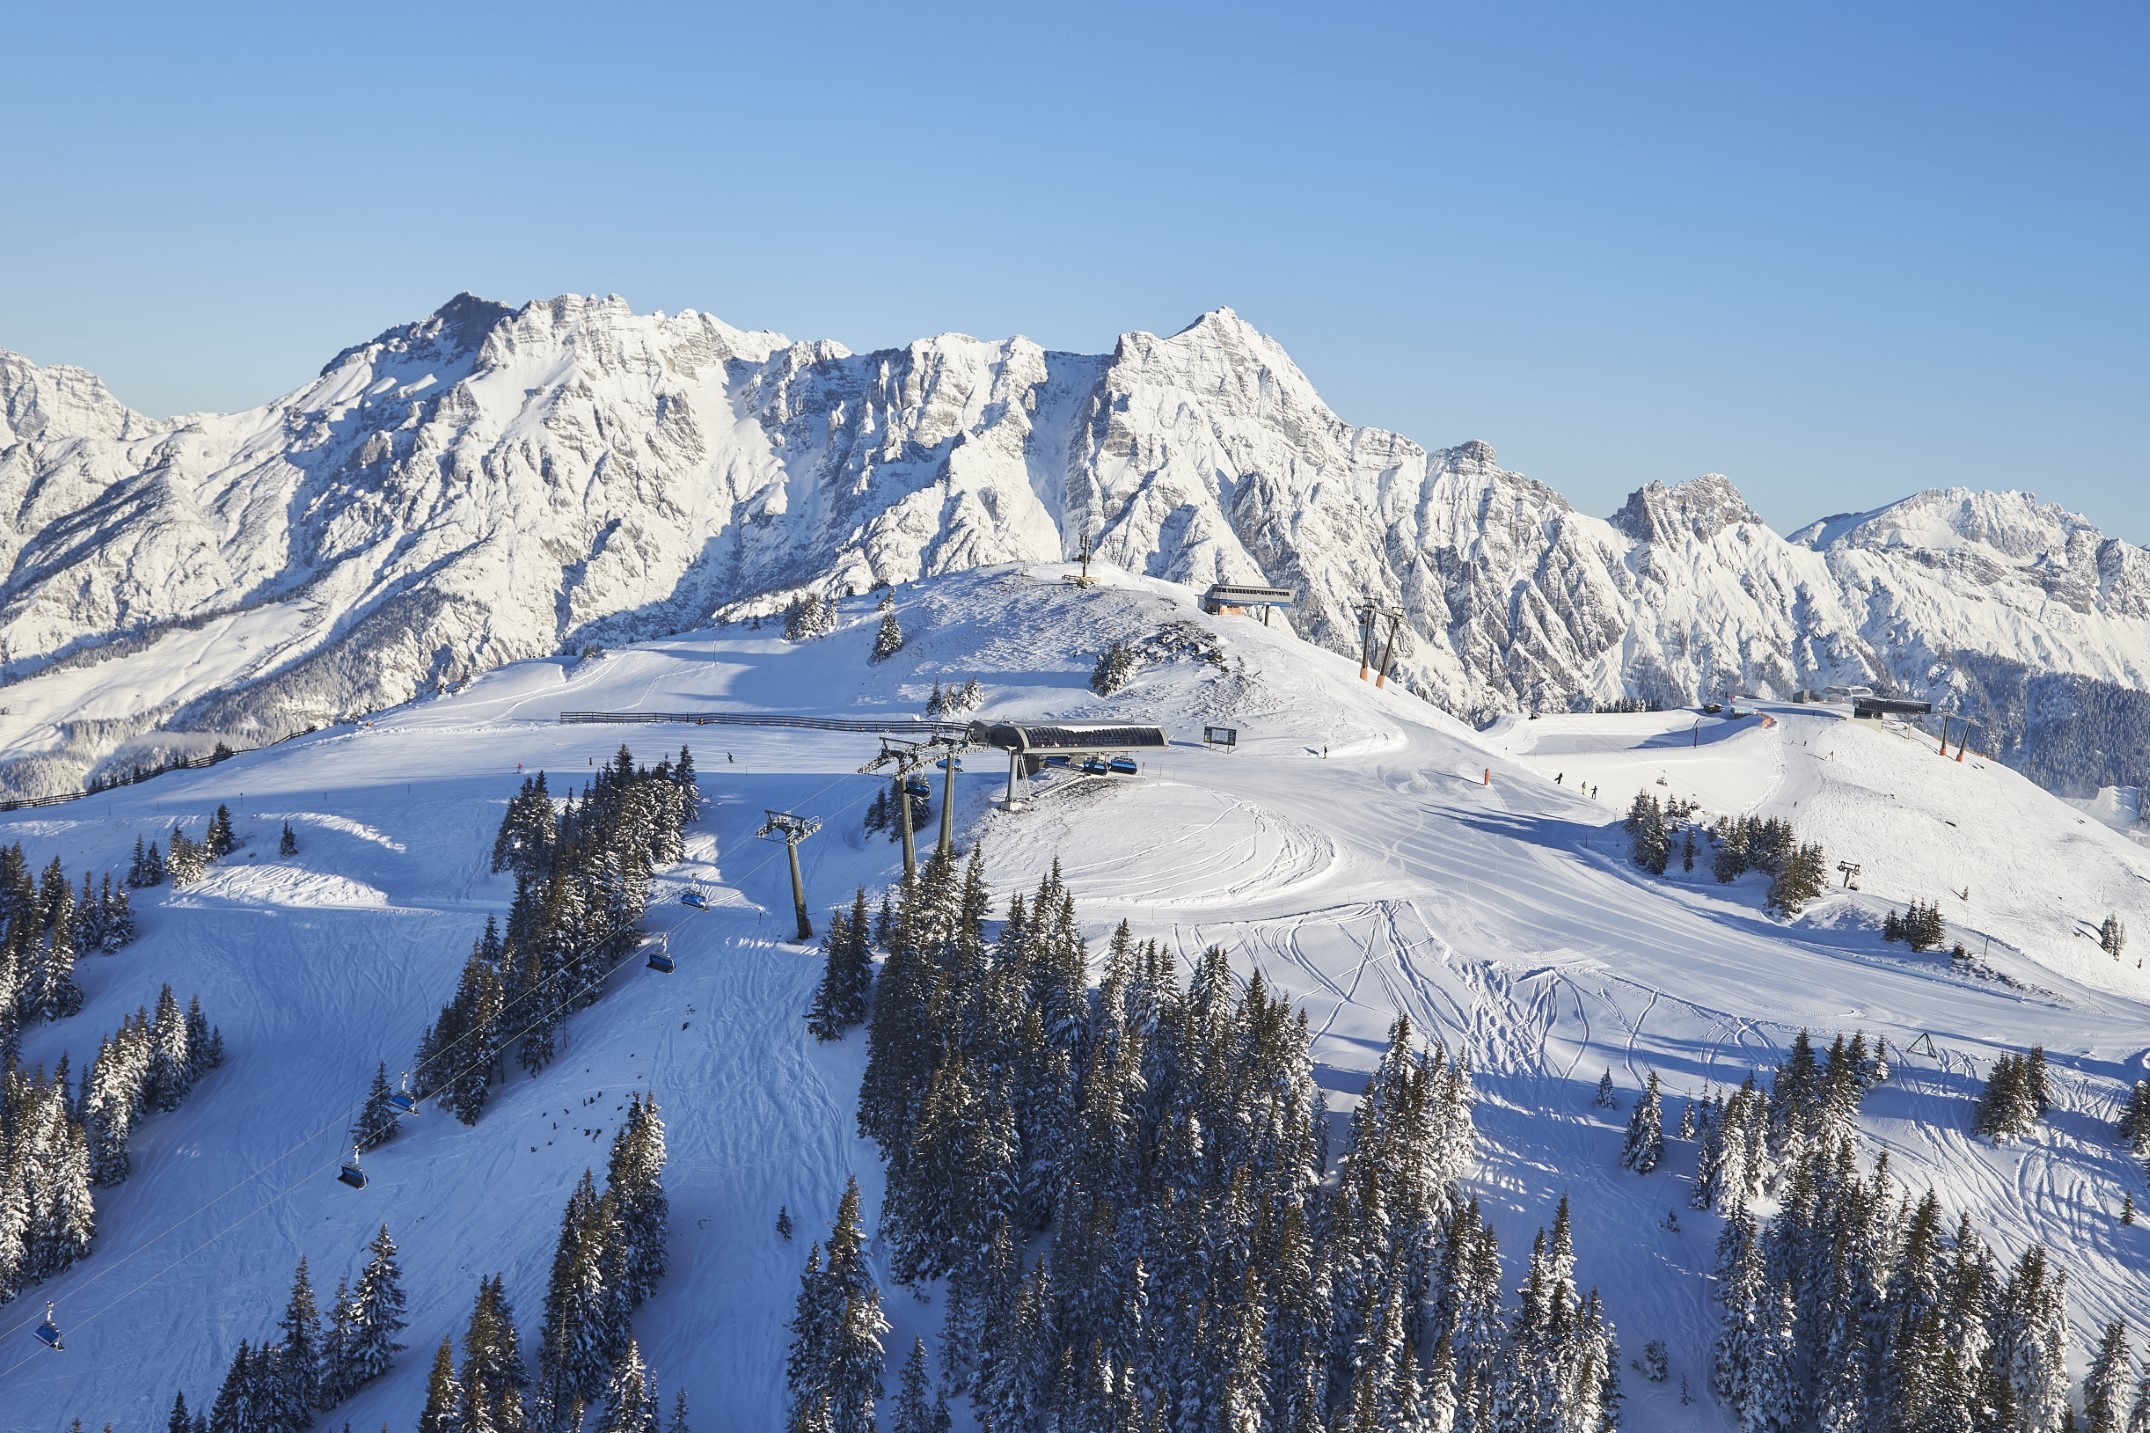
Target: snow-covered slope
1364,852
488,485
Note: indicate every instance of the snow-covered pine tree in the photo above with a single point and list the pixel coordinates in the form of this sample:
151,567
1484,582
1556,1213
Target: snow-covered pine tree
492,1361
1802,878
2008,1105
147,867
635,1180
2112,937
237,1408
2106,1384
2029,1351
914,1410
444,1394
336,1367
220,840
376,1316
376,1123
1605,1099
117,920
809,616
288,843
184,860
630,1396
1649,843
584,1326
835,1362
689,784
889,639
297,1393
1645,1144
2134,1125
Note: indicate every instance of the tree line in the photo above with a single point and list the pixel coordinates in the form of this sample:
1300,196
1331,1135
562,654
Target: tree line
279,1384
609,1257
1203,1261
1798,870
59,1140
45,927
582,874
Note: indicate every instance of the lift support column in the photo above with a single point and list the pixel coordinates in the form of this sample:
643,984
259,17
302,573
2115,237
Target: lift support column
948,801
791,830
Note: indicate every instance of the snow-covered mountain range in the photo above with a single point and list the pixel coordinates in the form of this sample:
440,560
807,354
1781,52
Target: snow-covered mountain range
489,484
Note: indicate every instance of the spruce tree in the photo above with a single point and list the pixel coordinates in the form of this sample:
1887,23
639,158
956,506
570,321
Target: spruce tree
444,1395
220,841
1645,1144
914,1414
2134,1125
376,1123
635,1180
298,1393
377,1314
630,1396
889,639
1605,1100
1650,845
2105,1386
583,1326
288,843
834,1367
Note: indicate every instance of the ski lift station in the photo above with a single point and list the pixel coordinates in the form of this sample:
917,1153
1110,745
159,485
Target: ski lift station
1030,745
1240,601
1875,708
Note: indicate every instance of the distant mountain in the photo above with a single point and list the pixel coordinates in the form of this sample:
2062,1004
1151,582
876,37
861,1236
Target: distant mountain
489,484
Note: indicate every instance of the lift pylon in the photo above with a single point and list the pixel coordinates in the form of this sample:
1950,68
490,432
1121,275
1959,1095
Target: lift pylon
1371,615
906,757
791,830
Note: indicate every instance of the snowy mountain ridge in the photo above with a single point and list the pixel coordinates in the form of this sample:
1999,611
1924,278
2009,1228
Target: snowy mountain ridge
489,484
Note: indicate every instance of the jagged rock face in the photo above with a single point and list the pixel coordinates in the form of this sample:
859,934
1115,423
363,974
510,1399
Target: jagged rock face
490,484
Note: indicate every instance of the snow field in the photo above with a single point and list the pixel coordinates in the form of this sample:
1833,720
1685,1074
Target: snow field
1384,879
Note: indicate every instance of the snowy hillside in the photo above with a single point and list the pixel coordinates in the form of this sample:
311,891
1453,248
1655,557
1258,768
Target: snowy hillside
1364,853
489,485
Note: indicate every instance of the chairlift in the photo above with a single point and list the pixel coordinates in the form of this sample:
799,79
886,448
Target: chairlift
660,956
48,1332
1056,761
942,764
402,1101
350,1173
1096,766
1122,766
916,785
696,899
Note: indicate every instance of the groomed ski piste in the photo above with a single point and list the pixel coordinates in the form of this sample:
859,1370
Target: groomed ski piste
1367,854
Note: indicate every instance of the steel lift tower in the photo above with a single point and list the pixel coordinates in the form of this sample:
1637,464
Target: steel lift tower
1371,615
791,830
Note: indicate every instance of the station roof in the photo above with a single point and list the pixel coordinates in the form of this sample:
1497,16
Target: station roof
1235,595
1071,736
1892,706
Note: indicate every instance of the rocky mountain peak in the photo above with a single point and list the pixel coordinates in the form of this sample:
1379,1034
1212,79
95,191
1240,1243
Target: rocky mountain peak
1699,508
57,402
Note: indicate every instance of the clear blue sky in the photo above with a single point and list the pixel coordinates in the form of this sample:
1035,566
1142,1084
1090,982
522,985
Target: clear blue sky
1837,252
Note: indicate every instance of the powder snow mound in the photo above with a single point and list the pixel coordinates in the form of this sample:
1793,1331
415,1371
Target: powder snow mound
2003,858
490,484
